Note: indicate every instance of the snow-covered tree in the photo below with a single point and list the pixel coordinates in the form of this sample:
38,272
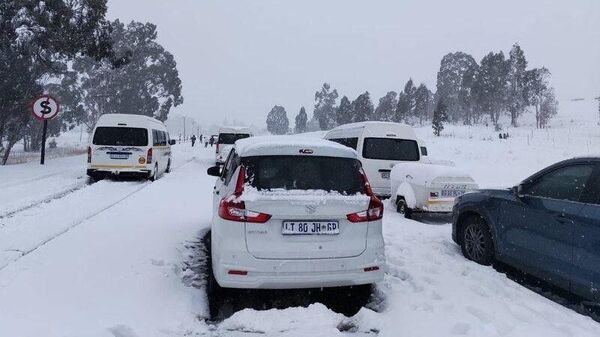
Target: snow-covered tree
439,118
453,68
422,103
491,86
516,100
386,110
344,113
540,95
325,111
301,120
277,121
363,108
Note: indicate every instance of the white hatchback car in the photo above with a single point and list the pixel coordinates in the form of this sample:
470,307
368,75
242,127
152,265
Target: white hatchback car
292,212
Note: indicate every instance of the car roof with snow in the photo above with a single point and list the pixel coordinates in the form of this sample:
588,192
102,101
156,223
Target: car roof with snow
371,128
234,129
291,146
422,173
128,120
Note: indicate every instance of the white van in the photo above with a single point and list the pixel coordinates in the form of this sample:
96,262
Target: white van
228,135
129,145
380,146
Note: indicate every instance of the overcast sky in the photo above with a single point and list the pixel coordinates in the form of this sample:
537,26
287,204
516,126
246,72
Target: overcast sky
239,58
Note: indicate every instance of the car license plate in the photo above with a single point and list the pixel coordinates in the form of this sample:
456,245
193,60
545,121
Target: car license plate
310,228
385,175
119,156
452,193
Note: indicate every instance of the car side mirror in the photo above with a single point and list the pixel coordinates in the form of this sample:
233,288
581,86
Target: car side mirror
214,171
518,190
172,142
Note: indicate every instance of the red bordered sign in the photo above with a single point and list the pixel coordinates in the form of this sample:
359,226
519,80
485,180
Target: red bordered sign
45,107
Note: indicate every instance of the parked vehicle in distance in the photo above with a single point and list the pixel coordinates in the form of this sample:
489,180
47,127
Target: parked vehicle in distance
380,146
228,135
548,226
431,188
129,145
294,212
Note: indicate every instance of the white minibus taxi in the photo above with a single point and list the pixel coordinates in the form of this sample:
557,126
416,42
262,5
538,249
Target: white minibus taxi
129,145
228,135
380,146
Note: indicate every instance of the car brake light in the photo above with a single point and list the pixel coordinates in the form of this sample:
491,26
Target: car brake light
149,156
237,272
218,145
375,210
233,209
89,154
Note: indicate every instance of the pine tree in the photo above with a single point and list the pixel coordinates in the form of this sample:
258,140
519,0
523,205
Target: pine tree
277,121
325,111
386,110
516,83
491,86
453,68
344,113
403,108
301,120
422,97
439,118
363,108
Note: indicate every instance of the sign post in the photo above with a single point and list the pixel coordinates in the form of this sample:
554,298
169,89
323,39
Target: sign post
45,108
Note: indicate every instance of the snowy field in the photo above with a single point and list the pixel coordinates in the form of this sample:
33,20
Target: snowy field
111,259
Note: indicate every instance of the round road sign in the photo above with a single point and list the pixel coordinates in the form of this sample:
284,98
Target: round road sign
45,107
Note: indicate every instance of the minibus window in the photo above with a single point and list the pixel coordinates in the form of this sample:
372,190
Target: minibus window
391,149
122,136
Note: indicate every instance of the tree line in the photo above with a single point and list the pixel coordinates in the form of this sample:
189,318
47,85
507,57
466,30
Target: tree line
466,92
90,64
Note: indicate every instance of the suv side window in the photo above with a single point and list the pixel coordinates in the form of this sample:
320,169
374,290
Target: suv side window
565,183
155,140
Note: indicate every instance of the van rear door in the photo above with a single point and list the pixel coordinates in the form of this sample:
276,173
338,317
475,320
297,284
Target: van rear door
381,154
119,147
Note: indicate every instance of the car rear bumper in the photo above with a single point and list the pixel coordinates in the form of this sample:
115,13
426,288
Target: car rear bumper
107,170
295,274
439,205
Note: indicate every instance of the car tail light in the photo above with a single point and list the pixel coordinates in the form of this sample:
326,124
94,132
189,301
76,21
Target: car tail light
233,209
89,154
218,145
375,210
149,156
237,272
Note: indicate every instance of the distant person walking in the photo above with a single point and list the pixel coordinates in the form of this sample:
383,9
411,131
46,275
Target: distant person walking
193,140
212,141
200,139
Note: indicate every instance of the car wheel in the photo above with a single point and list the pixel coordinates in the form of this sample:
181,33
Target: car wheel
168,170
402,208
154,174
477,244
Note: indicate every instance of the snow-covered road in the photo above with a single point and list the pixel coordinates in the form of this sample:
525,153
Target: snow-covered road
106,260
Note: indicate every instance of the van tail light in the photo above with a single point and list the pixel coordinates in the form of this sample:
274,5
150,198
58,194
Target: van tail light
89,154
218,146
375,210
149,156
233,209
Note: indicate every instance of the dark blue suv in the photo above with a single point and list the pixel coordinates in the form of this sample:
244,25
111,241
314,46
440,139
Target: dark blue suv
548,226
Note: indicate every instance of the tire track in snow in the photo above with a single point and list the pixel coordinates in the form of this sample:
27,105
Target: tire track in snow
25,252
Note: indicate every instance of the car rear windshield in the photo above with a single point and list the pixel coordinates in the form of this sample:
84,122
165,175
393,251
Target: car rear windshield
390,149
122,136
231,138
331,174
